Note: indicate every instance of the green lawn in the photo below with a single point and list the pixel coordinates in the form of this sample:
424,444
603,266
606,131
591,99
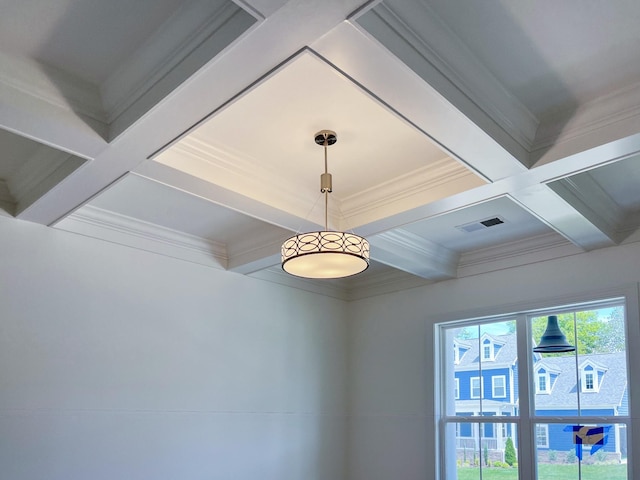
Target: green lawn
549,472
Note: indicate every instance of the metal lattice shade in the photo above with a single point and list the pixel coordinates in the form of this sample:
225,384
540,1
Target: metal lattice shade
325,254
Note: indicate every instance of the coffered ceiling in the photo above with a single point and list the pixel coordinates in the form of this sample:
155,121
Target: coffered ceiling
472,136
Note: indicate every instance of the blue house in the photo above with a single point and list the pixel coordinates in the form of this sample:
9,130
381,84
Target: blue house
486,383
602,383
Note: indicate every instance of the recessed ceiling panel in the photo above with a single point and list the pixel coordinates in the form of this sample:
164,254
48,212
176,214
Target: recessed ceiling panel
261,144
547,53
89,40
151,202
474,227
621,181
29,169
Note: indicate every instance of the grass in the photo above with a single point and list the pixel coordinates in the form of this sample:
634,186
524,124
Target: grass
549,472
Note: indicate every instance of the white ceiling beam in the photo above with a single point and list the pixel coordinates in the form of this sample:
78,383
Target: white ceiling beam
422,42
204,92
563,217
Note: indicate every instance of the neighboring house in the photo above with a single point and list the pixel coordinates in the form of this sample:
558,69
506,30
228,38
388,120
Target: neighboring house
485,370
602,383
486,384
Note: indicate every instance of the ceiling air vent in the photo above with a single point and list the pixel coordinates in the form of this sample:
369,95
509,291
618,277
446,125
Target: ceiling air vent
481,224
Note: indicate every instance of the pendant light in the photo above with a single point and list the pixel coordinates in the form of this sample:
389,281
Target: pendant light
326,253
553,340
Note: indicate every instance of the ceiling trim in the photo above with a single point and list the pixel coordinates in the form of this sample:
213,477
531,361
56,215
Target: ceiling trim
44,83
423,185
47,105
349,49
194,35
39,173
418,37
606,120
539,248
587,196
617,107
551,208
116,228
411,253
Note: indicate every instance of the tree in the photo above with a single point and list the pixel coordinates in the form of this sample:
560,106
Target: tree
509,453
595,335
612,337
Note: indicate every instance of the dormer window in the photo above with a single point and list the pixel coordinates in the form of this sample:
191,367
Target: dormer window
589,384
591,377
487,350
545,377
543,382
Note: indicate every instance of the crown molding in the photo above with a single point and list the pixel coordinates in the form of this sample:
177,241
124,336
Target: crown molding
612,110
51,85
39,173
586,195
189,39
413,254
418,37
234,171
423,185
535,249
123,230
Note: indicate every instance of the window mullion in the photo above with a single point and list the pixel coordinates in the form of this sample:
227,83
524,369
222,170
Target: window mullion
526,428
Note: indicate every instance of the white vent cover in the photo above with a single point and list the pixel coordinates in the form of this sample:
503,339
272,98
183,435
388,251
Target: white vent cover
481,224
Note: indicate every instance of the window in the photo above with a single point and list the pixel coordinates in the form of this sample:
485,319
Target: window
542,382
588,381
542,436
498,384
591,376
476,387
487,352
553,398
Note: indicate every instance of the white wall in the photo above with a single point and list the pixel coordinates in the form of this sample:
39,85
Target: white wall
121,364
392,424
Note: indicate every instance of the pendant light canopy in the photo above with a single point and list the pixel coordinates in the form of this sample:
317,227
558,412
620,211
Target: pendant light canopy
326,253
553,340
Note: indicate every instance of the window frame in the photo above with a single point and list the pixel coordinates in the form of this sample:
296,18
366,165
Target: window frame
493,386
546,435
481,387
487,347
547,381
524,420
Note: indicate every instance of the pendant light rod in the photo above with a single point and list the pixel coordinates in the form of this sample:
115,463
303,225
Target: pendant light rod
326,138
